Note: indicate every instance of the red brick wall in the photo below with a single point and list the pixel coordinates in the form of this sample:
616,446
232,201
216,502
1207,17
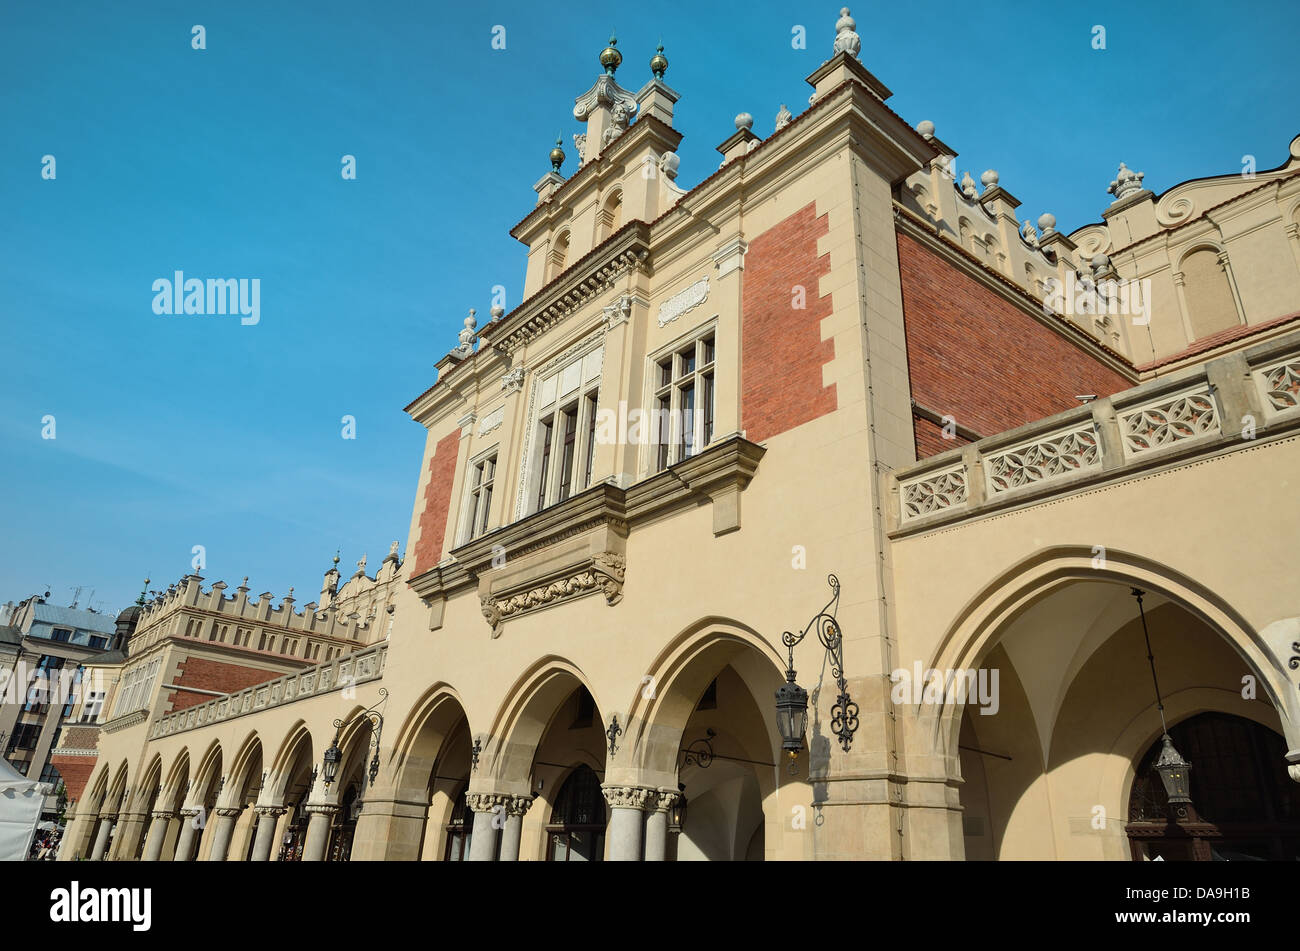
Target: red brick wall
213,675
782,348
929,438
975,356
437,503
75,771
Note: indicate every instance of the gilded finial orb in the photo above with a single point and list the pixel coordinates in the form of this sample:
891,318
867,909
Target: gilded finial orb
610,58
557,155
659,63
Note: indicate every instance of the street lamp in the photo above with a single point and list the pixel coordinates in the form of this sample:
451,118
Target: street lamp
792,700
334,756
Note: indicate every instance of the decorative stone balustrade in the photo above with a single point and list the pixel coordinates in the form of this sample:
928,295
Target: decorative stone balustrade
353,669
1227,403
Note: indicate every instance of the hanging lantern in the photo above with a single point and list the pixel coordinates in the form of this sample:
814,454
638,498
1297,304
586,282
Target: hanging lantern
791,714
677,812
1175,772
333,756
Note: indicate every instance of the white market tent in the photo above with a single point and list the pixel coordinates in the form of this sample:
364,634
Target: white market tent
20,810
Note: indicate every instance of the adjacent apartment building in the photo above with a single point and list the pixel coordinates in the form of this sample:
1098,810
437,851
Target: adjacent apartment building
43,652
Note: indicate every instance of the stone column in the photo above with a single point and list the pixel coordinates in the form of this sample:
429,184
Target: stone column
153,845
267,817
222,827
101,840
487,808
656,825
626,820
318,830
185,842
515,808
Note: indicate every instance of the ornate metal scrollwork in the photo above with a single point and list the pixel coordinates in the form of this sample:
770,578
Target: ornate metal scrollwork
700,752
613,732
844,712
377,722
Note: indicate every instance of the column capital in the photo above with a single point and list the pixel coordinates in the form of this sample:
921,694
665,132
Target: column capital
270,810
518,805
228,812
663,799
321,808
163,814
488,802
627,797
189,812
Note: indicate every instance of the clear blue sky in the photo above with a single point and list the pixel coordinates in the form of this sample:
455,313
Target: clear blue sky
180,431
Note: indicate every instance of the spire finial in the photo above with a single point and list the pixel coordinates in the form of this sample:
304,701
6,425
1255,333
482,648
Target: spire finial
557,154
610,58
846,40
659,62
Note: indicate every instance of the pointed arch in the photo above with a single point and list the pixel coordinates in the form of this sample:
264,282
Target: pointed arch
519,725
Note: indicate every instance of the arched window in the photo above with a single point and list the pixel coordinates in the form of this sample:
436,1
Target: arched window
1210,304
1245,805
559,252
611,215
460,829
577,829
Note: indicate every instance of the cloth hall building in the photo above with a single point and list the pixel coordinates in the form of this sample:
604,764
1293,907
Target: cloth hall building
1024,458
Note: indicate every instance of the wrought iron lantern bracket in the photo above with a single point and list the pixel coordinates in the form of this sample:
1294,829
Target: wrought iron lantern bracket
377,723
844,712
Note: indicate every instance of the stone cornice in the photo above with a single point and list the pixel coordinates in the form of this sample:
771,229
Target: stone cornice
627,249
125,721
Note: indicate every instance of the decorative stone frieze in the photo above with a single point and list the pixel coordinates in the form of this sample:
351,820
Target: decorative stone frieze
935,492
1187,415
683,301
491,421
348,670
1279,386
1045,459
